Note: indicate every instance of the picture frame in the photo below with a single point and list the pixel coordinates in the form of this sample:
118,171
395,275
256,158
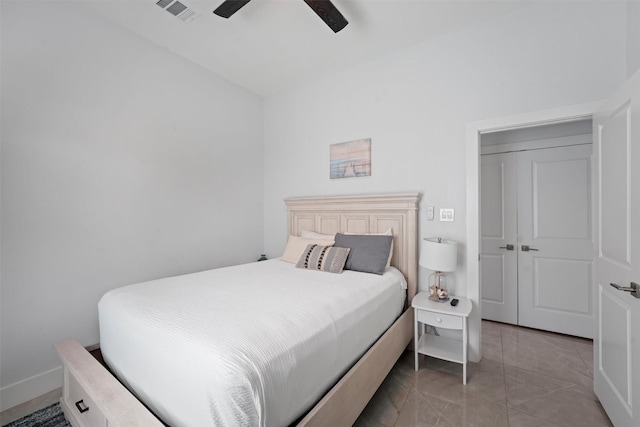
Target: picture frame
350,159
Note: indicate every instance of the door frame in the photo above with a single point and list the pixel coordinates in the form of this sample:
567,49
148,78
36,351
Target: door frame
584,111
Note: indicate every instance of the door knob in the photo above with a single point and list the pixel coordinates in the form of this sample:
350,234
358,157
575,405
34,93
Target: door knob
508,247
526,248
634,289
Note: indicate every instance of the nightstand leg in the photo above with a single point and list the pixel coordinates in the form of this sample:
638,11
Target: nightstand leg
415,340
464,373
464,351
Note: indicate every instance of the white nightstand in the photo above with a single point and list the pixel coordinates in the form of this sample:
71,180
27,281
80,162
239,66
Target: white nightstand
441,315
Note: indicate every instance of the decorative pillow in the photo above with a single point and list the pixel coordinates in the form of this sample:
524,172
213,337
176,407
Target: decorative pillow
296,245
313,235
323,258
389,232
368,254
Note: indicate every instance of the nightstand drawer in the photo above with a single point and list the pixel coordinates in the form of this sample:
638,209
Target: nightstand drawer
440,320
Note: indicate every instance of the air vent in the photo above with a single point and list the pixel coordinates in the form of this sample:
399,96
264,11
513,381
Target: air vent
178,9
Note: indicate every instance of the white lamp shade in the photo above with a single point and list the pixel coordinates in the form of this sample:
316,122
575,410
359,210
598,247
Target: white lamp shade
439,256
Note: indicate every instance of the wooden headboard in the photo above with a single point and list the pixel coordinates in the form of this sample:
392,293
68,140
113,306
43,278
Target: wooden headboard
374,213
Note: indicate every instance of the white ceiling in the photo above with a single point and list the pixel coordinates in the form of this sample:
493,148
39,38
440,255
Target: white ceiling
270,45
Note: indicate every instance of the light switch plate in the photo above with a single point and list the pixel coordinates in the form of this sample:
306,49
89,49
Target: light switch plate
447,214
430,213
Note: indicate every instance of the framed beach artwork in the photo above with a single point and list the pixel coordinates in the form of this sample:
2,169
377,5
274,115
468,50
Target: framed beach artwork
350,159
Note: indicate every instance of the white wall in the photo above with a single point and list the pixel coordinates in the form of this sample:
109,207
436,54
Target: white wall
415,105
633,36
119,163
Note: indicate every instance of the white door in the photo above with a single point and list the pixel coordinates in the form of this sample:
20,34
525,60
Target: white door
555,245
498,254
617,254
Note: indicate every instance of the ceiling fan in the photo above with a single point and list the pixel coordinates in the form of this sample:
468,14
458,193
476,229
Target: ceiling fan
324,8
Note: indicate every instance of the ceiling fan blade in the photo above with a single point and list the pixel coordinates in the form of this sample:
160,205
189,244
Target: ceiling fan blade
328,13
229,7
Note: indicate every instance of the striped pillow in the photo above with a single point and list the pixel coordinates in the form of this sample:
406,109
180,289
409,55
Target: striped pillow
323,258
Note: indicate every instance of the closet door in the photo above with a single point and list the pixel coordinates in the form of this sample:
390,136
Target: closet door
498,255
556,244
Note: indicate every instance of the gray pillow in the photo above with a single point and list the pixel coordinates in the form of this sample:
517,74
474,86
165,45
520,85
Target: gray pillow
369,253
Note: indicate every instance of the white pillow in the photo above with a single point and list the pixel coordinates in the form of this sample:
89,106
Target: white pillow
313,235
297,245
389,232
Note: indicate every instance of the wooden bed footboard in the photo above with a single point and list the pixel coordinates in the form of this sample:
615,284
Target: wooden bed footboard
92,397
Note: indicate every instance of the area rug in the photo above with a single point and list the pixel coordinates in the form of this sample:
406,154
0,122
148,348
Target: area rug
51,416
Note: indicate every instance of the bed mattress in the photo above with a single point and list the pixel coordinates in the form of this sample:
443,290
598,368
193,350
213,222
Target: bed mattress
251,345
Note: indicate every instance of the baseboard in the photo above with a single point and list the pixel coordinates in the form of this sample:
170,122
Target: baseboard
31,388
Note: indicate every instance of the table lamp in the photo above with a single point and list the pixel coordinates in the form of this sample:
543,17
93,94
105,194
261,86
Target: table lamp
440,256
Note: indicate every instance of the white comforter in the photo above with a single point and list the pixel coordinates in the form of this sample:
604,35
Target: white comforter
251,345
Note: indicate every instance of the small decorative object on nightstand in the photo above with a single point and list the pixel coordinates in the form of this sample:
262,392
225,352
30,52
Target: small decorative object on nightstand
429,312
440,256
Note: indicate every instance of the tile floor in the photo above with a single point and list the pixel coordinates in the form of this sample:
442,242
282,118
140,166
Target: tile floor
526,378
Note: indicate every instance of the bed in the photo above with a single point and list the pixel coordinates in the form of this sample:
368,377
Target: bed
310,350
